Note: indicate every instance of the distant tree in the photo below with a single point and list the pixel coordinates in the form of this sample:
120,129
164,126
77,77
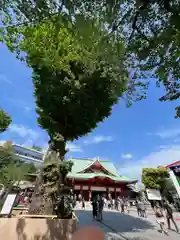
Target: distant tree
154,178
37,148
11,174
29,168
7,156
11,168
5,120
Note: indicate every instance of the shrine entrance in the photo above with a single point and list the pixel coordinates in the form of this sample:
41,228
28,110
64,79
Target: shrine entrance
95,190
100,193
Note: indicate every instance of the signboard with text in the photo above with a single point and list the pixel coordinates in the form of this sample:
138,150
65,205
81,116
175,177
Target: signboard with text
153,194
8,204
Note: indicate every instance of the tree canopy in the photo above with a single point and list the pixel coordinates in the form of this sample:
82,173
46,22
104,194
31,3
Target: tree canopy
154,178
5,120
149,28
76,80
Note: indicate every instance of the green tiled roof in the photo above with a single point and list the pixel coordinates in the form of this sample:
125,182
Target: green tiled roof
82,164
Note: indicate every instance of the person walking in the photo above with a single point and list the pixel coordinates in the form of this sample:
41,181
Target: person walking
105,202
100,208
122,205
118,203
142,209
169,216
83,203
160,219
138,208
127,205
94,207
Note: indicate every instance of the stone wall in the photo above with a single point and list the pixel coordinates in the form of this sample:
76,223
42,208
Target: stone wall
41,229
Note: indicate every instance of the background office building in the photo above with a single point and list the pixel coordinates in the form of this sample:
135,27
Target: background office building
26,154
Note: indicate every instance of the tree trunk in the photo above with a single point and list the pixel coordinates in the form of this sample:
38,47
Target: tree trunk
39,205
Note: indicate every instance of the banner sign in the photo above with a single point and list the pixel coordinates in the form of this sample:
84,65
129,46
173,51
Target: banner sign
176,171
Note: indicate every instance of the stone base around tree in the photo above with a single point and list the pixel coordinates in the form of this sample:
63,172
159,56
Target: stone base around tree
44,227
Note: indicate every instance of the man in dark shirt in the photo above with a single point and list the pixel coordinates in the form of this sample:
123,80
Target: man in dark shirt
100,207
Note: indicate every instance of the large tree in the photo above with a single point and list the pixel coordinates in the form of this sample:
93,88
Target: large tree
5,120
154,178
77,75
150,28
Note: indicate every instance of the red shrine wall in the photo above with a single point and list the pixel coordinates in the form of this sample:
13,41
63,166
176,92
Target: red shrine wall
87,188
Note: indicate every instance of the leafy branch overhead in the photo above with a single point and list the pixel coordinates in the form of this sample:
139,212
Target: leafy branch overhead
150,30
5,121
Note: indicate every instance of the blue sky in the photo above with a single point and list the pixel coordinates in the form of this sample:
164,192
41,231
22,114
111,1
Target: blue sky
145,135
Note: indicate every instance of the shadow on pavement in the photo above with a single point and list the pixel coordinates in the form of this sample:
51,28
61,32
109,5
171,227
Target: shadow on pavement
119,222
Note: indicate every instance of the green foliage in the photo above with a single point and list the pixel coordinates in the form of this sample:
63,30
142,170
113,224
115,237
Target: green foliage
150,29
36,148
53,177
155,44
28,168
11,168
1,204
7,156
154,178
5,120
69,76
54,174
11,174
77,74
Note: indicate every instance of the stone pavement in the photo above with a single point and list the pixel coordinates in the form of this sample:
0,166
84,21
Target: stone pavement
120,226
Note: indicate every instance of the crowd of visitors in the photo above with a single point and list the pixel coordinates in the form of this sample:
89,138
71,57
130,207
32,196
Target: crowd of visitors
24,198
162,210
99,202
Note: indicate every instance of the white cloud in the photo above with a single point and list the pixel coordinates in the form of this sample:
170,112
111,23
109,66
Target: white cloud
27,109
28,136
4,79
24,132
162,157
172,146
177,140
98,139
20,104
2,143
73,147
168,133
127,156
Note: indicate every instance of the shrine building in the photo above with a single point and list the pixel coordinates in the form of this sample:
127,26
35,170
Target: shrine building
94,176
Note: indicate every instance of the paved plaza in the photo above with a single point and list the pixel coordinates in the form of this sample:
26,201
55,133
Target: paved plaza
120,226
